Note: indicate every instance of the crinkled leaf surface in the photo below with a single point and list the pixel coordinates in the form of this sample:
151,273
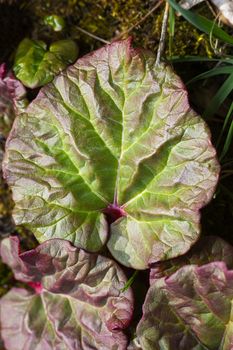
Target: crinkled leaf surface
113,134
36,65
77,304
206,250
7,113
191,309
12,99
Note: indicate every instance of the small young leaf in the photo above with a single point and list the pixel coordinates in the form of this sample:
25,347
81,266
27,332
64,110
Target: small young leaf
56,22
35,65
77,303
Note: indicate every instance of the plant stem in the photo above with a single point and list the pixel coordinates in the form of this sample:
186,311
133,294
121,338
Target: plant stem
92,35
163,35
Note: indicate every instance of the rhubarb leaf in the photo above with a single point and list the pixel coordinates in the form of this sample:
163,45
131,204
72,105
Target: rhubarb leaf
113,141
12,99
191,309
35,65
206,250
183,306
78,301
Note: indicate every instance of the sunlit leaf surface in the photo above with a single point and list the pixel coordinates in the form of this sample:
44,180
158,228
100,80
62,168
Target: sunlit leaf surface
113,141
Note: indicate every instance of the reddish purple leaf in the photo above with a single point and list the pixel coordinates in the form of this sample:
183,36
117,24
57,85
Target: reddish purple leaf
77,301
12,99
189,303
207,249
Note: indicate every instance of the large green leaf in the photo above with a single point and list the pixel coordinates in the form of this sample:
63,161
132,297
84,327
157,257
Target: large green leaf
77,302
36,65
113,141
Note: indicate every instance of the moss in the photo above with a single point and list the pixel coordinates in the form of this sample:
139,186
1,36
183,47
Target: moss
108,19
189,41
6,279
117,16
103,18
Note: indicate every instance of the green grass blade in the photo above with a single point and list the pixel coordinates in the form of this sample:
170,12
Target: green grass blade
212,73
171,29
219,97
179,59
228,141
202,23
130,281
225,124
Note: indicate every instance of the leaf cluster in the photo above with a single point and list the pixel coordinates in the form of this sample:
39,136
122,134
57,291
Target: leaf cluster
109,167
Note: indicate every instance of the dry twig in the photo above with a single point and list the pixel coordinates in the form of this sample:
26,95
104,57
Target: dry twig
92,35
163,35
